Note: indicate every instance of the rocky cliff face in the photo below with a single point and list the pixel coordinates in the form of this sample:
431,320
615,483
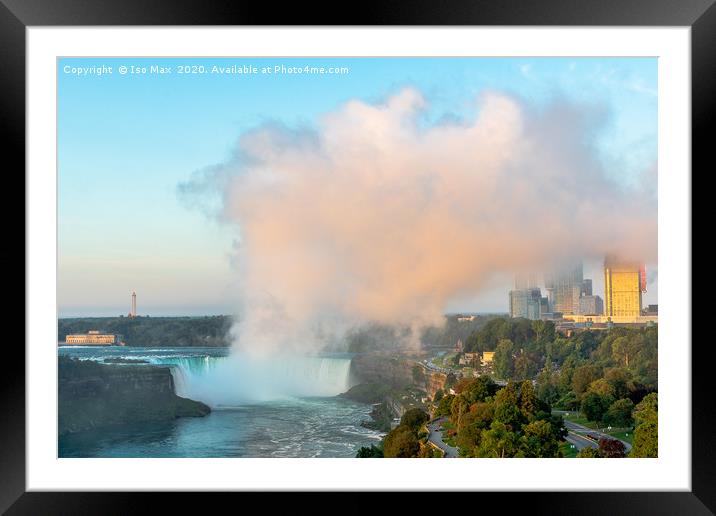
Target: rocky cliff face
92,395
398,382
382,368
435,381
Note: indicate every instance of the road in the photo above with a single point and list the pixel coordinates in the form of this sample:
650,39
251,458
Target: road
432,367
436,437
576,431
579,442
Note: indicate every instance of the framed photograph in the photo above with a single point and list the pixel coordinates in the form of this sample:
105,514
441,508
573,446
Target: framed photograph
260,254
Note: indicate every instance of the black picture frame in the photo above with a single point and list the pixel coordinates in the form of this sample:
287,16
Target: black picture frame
700,15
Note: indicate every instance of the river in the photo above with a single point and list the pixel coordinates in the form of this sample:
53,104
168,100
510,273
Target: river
282,407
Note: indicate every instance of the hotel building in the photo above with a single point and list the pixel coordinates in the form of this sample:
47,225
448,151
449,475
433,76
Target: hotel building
624,283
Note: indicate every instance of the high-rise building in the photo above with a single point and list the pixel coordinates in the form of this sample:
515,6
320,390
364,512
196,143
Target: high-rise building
587,287
526,280
526,303
566,284
651,310
544,306
591,305
133,312
623,285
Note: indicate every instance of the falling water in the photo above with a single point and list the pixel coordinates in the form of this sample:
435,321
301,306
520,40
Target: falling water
239,379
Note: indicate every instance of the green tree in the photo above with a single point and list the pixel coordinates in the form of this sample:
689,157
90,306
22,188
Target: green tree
546,387
588,453
584,344
401,442
526,366
565,379
544,330
528,402
539,440
620,379
619,413
370,452
468,433
556,422
507,409
582,377
499,441
568,402
414,418
478,418
503,361
477,389
458,407
594,406
601,387
444,405
486,338
647,409
482,413
623,348
646,433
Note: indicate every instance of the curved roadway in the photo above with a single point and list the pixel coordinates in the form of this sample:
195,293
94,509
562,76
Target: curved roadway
435,436
577,432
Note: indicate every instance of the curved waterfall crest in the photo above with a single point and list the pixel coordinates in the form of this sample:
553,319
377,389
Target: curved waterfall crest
242,379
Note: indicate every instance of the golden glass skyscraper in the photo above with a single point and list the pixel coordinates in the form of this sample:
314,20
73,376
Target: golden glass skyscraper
622,288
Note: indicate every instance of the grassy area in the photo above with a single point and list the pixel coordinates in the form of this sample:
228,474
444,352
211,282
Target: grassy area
567,450
576,417
624,435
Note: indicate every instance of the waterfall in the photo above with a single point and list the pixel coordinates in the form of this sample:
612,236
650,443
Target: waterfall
240,379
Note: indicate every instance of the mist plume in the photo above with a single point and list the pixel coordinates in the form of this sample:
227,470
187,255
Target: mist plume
373,215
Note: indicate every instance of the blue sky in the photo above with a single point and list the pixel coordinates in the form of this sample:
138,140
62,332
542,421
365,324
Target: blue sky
126,141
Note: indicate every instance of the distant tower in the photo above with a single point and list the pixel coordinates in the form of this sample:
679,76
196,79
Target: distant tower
133,313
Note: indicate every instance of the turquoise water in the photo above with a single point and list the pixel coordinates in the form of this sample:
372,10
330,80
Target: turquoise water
285,408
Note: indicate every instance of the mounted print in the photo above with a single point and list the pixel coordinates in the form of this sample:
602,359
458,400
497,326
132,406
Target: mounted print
357,257
260,255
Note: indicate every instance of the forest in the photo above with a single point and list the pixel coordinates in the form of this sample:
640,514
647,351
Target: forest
209,331
609,377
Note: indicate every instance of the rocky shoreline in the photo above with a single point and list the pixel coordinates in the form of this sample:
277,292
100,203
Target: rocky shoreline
392,384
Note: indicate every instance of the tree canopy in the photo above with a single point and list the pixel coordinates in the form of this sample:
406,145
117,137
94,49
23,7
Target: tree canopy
646,435
503,422
155,331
